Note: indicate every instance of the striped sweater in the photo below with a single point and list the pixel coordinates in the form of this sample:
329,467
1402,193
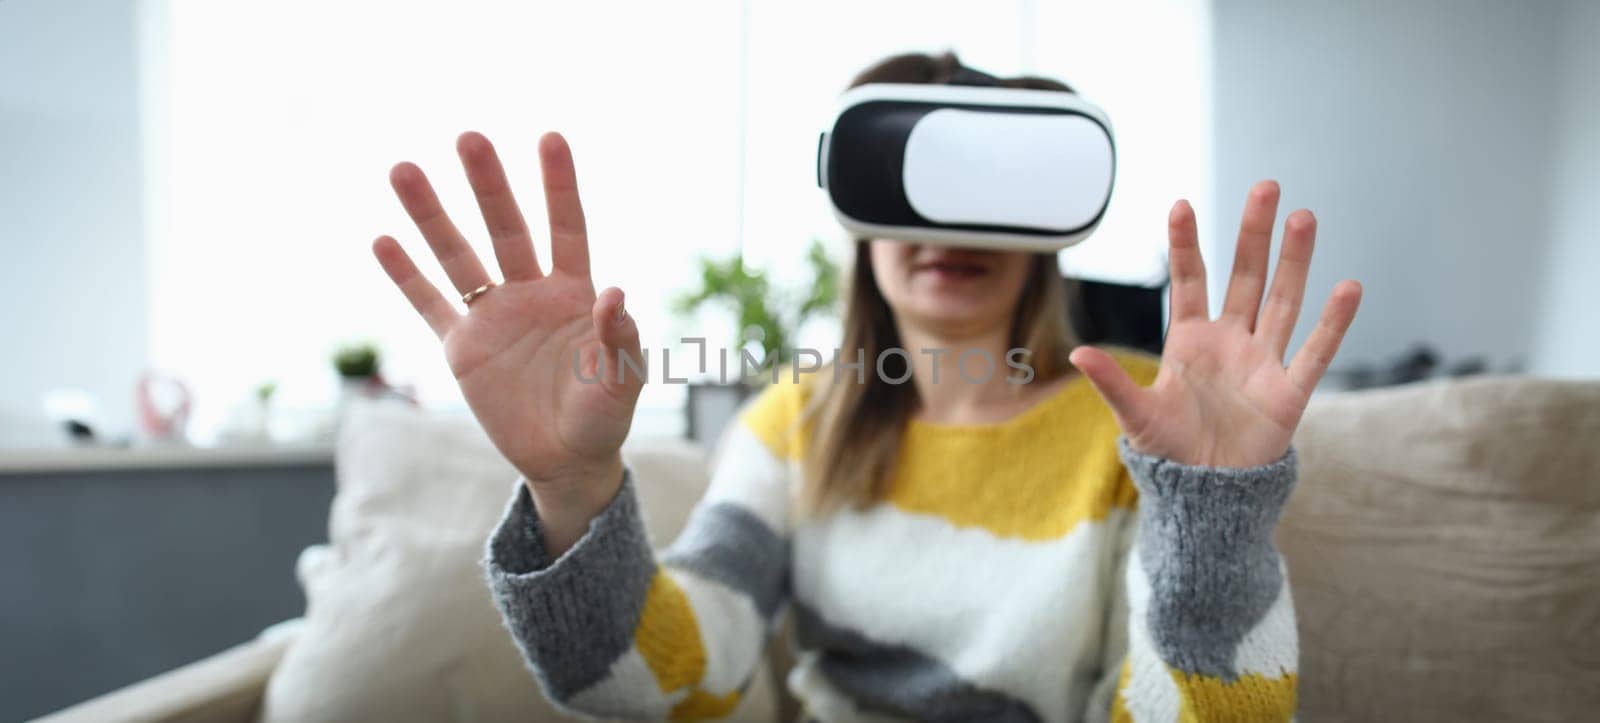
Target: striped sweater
1038,569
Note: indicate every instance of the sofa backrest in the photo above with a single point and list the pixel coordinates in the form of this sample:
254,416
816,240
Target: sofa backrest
1443,545
1444,552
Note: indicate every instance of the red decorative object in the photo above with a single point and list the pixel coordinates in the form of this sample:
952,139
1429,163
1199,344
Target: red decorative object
382,387
164,402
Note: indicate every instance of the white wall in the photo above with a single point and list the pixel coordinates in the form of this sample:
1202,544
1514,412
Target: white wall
1567,335
1422,133
73,271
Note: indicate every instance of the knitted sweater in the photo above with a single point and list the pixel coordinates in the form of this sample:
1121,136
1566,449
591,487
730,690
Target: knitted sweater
1038,569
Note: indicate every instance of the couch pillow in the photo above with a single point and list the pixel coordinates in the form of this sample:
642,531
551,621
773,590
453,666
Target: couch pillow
399,624
1444,552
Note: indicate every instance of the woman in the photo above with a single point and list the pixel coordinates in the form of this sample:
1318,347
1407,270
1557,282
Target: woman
959,547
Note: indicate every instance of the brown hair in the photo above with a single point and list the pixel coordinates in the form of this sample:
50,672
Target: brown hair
855,428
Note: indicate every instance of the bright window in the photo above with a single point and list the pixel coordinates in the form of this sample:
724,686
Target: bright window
693,126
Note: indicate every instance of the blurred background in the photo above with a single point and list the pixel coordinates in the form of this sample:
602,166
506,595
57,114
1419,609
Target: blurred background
190,190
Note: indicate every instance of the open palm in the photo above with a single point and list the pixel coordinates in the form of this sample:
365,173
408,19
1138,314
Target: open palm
513,352
1223,396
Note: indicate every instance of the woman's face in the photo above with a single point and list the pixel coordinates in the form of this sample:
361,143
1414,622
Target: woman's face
946,290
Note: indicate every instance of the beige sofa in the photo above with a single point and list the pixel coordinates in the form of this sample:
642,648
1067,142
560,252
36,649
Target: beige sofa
1444,546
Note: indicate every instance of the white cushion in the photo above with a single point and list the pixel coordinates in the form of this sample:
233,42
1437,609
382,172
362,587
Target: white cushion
399,623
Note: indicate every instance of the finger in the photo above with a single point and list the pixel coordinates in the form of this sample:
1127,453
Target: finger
620,336
1282,307
1313,359
513,244
426,299
422,204
1129,402
569,237
1250,255
1184,263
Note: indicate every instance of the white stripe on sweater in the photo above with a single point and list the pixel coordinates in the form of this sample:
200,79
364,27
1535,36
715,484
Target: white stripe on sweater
1151,694
1272,647
629,691
750,475
966,598
731,631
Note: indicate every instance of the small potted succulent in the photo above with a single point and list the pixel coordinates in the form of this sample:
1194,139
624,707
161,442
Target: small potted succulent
360,377
357,365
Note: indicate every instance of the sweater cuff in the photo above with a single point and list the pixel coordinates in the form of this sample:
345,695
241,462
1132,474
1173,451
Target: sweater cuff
1249,497
1205,546
575,615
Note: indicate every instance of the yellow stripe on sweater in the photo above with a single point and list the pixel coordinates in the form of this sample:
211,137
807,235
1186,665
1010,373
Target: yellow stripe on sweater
1033,477
1250,697
701,705
774,418
668,638
1119,704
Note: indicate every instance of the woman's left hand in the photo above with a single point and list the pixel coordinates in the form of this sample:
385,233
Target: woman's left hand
1224,397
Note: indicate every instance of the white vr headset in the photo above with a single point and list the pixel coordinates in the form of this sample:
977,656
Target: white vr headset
965,165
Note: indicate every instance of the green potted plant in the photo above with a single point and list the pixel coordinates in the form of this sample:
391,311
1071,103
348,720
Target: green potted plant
357,366
763,315
249,422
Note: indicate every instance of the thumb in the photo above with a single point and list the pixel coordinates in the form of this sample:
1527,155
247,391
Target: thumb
620,338
1128,401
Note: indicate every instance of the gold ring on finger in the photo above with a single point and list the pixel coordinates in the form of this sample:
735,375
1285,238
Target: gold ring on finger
475,293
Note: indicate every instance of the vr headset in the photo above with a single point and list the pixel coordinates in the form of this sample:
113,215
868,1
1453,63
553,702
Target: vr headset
967,165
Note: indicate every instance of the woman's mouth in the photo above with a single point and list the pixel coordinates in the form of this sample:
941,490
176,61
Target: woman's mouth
951,270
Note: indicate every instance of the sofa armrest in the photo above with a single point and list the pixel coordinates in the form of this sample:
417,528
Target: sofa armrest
226,687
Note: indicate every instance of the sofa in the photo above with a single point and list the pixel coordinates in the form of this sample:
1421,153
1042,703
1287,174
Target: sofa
1443,543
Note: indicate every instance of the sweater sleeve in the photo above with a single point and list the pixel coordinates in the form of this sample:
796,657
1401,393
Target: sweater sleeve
1210,627
612,628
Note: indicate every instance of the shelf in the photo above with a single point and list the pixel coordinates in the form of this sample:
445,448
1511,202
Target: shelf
76,459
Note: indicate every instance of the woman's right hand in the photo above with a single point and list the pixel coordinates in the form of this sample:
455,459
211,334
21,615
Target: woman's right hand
513,350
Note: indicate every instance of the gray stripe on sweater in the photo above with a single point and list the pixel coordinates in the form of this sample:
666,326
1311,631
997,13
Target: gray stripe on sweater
1205,542
896,680
727,543
574,618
